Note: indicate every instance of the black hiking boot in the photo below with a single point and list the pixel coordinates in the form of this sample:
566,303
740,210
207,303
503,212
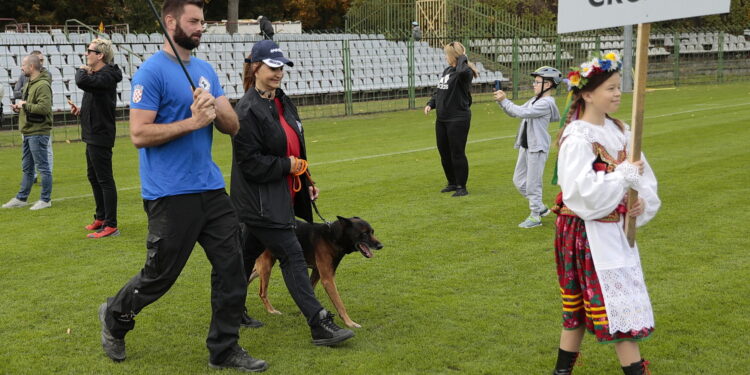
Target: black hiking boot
239,359
248,322
114,348
325,332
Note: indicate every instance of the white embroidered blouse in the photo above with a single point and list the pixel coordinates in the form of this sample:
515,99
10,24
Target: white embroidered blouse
593,195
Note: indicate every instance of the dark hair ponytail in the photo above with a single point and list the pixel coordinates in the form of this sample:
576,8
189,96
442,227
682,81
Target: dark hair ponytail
248,74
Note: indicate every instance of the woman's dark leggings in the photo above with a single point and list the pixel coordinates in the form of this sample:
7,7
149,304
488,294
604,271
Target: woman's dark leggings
285,247
99,171
451,143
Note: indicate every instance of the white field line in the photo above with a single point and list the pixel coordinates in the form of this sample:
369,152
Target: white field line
428,148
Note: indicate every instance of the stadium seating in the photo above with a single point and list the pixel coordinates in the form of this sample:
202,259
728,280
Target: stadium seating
664,44
319,66
376,64
530,49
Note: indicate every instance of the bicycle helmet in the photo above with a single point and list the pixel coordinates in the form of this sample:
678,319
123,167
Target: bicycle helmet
550,73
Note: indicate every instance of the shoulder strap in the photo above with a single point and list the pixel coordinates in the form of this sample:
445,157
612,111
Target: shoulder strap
28,87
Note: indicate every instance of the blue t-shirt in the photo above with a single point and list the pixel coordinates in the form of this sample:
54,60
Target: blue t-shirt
182,165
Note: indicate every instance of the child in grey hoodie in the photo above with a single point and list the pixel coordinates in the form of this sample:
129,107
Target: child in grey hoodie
533,139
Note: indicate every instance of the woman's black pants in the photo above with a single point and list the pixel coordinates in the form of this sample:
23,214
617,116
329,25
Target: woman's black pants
285,247
451,143
99,171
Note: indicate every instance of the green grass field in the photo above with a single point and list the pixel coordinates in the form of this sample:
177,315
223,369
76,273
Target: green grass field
458,287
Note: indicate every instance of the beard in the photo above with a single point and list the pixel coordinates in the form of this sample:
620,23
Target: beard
185,41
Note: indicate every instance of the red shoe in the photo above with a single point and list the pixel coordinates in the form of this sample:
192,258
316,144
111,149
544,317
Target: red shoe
104,232
96,225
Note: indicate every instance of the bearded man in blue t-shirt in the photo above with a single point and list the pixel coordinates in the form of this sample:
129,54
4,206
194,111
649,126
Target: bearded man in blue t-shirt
183,191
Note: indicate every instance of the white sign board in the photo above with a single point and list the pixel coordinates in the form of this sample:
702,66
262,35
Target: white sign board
579,15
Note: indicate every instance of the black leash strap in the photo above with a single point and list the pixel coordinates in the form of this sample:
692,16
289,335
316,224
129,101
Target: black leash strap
171,44
315,206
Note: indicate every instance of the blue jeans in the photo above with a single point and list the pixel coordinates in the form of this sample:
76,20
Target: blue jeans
50,158
35,154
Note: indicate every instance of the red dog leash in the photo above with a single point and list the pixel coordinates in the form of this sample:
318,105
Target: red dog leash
300,168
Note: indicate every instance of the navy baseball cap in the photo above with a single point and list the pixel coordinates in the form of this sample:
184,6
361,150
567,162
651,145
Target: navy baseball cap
270,53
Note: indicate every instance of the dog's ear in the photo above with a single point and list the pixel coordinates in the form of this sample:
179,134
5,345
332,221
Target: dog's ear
344,221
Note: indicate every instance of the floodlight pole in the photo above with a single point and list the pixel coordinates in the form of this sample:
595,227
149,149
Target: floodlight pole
636,132
627,59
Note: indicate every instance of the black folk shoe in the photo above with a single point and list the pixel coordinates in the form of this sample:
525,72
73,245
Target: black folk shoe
637,368
565,362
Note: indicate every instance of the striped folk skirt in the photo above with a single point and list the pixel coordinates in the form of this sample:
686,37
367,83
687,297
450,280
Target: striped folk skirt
583,304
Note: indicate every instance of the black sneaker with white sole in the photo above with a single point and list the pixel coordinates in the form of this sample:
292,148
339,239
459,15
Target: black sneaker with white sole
326,333
239,359
448,188
460,192
113,347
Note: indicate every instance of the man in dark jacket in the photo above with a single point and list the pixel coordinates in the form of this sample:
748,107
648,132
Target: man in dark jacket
266,28
98,79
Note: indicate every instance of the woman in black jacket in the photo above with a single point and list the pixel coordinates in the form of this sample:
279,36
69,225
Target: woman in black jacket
98,79
268,151
452,99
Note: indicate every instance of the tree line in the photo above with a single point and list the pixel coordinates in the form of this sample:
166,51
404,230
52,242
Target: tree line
314,14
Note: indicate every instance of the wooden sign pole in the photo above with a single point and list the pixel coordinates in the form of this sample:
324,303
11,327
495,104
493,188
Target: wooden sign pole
636,125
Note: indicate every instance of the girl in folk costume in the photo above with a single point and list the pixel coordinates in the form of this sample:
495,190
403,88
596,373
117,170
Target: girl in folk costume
600,275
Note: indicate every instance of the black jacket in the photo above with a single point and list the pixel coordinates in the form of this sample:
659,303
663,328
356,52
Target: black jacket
98,105
452,98
259,188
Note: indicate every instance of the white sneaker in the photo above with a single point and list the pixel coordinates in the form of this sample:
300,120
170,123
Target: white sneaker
40,205
531,222
15,202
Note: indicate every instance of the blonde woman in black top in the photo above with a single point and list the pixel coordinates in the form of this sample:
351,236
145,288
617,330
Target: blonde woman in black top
452,100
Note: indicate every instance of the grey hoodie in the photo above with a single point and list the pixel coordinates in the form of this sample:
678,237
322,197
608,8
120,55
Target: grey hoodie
537,117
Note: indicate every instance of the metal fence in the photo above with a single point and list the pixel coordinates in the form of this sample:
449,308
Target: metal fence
349,74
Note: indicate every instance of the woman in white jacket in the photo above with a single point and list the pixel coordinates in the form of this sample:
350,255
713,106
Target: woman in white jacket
600,275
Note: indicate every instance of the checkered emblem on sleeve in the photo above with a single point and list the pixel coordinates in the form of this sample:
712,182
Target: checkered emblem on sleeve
137,93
